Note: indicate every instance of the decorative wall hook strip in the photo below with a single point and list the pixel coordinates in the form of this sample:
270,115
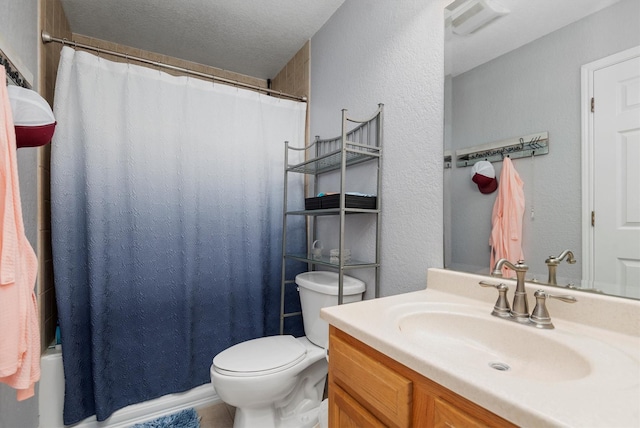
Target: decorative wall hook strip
12,72
514,148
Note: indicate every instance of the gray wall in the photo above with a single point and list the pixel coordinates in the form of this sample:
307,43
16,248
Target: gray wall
534,88
19,34
373,52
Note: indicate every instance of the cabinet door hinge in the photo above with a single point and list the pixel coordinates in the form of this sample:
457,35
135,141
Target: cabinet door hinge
593,218
593,104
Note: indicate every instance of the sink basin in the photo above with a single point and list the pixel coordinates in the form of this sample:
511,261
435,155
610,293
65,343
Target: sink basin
585,372
471,339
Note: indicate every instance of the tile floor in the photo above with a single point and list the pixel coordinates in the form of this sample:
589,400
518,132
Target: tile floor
218,415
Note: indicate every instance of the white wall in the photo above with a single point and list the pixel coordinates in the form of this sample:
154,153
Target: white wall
534,88
384,51
19,36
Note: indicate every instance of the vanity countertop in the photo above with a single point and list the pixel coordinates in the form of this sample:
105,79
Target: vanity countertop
600,390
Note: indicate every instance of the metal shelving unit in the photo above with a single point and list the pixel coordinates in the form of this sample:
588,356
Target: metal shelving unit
360,144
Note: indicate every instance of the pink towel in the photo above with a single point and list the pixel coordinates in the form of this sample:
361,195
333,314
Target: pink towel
506,234
19,329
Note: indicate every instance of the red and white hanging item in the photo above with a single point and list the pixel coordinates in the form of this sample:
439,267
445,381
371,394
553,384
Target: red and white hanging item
32,116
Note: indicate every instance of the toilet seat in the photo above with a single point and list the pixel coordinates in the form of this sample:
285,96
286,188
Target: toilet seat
259,357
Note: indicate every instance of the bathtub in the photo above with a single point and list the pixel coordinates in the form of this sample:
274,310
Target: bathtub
51,400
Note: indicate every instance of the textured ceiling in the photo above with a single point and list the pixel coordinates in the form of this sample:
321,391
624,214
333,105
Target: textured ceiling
252,37
258,37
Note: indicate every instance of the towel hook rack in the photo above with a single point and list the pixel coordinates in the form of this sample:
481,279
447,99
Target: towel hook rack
528,145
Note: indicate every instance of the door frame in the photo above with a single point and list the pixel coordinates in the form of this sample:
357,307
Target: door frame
587,72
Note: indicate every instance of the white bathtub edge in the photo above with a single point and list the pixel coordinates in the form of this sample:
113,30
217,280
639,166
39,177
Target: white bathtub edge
51,396
200,396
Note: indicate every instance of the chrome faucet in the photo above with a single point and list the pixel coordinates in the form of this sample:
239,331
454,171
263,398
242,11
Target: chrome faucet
520,307
553,262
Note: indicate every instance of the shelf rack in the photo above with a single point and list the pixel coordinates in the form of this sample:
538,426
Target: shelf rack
360,144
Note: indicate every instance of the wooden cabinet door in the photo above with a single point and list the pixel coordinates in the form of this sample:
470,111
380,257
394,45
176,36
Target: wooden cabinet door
447,415
345,412
377,388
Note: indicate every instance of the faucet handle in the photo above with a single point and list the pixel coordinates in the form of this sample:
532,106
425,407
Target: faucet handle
501,308
540,315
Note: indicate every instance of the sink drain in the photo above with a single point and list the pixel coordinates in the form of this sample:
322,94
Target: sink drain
503,367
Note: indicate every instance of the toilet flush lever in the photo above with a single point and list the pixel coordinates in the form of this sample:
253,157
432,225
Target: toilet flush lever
501,308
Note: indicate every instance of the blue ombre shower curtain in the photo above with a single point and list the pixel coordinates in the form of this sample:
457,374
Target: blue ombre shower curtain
166,198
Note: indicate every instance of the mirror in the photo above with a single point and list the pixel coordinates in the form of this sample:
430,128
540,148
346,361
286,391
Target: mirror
515,76
14,77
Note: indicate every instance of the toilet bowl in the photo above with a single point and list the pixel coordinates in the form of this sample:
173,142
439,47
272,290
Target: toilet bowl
278,381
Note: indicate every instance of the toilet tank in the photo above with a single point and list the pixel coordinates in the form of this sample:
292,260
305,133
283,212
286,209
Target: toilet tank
319,289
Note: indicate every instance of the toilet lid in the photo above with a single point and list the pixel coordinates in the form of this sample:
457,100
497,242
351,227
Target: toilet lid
260,356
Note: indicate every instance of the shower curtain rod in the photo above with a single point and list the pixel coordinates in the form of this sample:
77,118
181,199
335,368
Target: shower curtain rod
48,38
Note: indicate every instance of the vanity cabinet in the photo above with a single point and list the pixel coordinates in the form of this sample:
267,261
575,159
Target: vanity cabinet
369,389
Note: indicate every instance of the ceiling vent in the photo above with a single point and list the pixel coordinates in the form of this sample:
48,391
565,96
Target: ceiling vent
468,16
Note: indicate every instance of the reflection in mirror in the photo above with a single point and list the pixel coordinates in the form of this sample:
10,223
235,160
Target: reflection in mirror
504,81
14,77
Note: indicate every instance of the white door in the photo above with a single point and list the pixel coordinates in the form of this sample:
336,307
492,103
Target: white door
616,179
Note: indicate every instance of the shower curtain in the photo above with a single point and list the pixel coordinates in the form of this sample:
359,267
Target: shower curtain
166,198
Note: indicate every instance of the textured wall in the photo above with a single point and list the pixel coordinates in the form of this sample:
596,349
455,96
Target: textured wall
373,52
534,88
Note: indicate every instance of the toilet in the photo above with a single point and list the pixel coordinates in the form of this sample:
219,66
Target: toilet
278,381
